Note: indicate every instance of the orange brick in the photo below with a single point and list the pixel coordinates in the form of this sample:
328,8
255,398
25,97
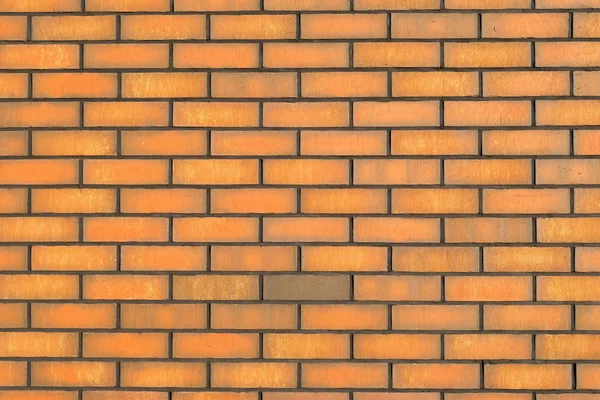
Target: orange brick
487,347
222,114
122,395
585,25
246,143
73,373
189,142
39,114
126,55
164,84
527,259
74,143
567,112
586,317
253,201
39,56
434,84
163,374
343,143
13,27
487,113
73,316
435,317
253,316
39,287
524,142
525,25
396,230
163,316
487,55
13,373
396,54
215,172
306,346
306,172
489,288
127,5
435,259
253,84
397,113
526,201
305,55
125,287
567,347
435,201
344,84
434,142
297,5
343,26
13,315
255,27
585,142
38,344
567,172
13,143
488,172
396,172
13,200
396,5
13,86
345,375
215,229
163,27
38,229
526,317
38,172
253,258
13,258
528,376
344,258
586,83
253,375
488,5
217,5
66,27
125,345
305,229
434,26
436,376
73,200
567,54
344,201
215,55
125,172
344,317
587,376
397,346
73,258
553,230
178,201
306,114
538,83
488,230
397,288
215,345
567,288
20,394
215,287
586,259
567,4
118,113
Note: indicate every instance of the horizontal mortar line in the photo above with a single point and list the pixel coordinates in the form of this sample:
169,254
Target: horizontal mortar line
279,186
308,157
308,302
241,273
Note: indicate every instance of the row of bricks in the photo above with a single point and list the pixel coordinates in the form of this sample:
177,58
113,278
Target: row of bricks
304,26
306,84
256,317
307,142
459,288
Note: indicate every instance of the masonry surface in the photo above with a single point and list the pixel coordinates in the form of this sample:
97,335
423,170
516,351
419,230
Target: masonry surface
299,200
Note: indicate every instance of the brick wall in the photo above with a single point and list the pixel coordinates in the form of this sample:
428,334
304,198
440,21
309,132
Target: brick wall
299,199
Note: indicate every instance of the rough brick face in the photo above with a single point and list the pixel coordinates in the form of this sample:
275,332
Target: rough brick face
299,199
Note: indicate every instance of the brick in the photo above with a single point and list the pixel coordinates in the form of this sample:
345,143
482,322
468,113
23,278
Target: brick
74,143
344,258
215,172
13,200
127,5
306,287
171,142
163,27
38,229
297,5
13,373
253,258
344,317
586,142
252,27
125,229
397,346
215,287
565,112
73,373
39,56
396,5
434,142
73,200
563,54
343,26
538,83
487,347
124,287
396,396
38,344
489,288
125,345
342,143
215,229
345,375
434,84
73,316
397,288
73,258
526,201
553,230
125,172
297,395
344,201
587,376
435,317
13,258
586,259
13,315
567,288
396,172
38,287
487,113
305,114
164,84
396,230
567,172
567,4
65,27
163,201
246,143
215,345
488,172
305,172
117,113
163,316
586,317
122,395
38,172
526,317
396,54
253,85
267,201
39,114
126,55
305,229
222,114
217,5
434,26
13,143
305,55
585,25
524,142
13,28
488,5
163,374
435,259
253,316
487,55
253,375
525,25
527,259
20,394
528,376
567,347
397,113
163,258
586,83
435,201
306,346
13,86
215,55
344,84
436,376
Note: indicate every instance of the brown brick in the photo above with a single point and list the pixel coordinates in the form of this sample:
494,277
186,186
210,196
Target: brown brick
306,287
